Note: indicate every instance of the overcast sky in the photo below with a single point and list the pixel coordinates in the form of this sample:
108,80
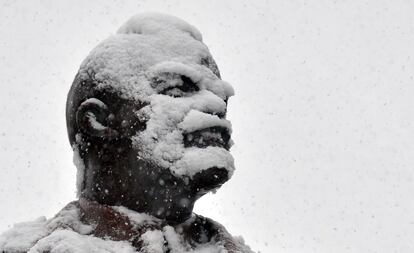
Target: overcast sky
322,117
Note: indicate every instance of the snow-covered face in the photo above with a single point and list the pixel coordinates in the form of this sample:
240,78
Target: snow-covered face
186,130
160,61
169,108
186,134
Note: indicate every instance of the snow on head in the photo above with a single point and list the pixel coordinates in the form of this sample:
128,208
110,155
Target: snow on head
160,60
150,23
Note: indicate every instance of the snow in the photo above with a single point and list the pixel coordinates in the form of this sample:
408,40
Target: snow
94,101
200,75
80,166
169,119
196,120
68,241
91,117
136,218
65,233
150,53
174,241
153,241
121,61
62,233
23,235
146,47
26,234
148,23
94,122
198,159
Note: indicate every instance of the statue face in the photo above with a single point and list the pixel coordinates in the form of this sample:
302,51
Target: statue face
173,146
153,128
186,130
186,138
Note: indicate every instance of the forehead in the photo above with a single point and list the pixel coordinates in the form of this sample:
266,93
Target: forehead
125,61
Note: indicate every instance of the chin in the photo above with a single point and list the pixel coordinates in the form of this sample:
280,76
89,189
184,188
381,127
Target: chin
176,211
177,216
177,219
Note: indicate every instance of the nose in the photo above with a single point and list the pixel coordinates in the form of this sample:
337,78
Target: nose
208,102
209,179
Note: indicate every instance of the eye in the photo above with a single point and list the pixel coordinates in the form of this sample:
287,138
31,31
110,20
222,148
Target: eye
182,86
173,92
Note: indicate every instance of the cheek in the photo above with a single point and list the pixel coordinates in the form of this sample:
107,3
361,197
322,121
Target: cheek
162,140
181,197
170,147
175,192
164,115
167,112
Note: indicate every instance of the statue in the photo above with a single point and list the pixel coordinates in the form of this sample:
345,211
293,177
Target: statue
146,120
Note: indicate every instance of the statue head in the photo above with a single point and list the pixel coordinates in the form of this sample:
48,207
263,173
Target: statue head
146,119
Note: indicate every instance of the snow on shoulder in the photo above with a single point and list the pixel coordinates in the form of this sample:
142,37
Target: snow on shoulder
66,233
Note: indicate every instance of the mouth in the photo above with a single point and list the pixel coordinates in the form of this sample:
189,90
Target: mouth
216,136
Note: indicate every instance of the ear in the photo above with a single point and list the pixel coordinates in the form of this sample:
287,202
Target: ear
92,118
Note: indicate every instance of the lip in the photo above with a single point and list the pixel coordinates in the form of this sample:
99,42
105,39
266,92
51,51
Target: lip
216,136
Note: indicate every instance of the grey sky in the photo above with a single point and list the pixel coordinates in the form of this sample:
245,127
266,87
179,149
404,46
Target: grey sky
322,115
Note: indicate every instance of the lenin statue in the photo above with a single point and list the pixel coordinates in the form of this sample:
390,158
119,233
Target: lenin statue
146,118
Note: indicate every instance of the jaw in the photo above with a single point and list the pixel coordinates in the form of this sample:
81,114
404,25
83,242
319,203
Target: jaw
209,180
176,212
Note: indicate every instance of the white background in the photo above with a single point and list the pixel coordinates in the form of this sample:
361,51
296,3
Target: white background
322,117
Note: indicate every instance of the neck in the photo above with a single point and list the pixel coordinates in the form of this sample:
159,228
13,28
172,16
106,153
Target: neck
137,189
122,224
113,184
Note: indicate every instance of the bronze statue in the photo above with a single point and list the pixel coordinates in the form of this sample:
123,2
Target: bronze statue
146,120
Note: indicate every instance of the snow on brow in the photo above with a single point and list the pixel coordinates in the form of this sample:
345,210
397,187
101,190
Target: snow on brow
204,78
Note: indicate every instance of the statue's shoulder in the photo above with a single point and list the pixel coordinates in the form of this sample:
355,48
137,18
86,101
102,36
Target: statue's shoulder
65,232
23,236
84,226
